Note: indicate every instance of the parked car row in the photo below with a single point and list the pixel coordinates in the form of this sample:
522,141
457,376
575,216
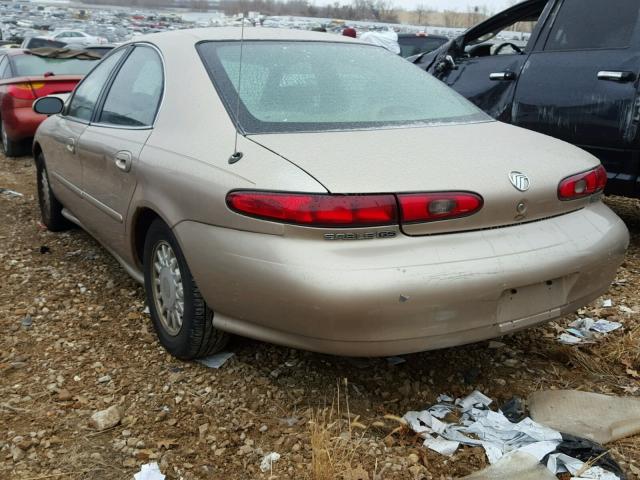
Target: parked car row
576,78
294,194
26,75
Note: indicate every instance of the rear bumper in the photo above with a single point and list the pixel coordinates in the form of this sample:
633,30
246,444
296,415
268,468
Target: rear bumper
402,295
21,123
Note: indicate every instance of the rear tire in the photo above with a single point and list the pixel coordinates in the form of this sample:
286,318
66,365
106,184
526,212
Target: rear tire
9,147
182,319
50,206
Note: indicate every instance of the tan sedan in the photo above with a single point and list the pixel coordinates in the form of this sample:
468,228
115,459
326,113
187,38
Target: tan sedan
316,192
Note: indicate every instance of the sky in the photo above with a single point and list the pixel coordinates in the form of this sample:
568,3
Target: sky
493,5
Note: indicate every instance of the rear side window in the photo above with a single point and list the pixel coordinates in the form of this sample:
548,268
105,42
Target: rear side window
594,24
87,93
135,93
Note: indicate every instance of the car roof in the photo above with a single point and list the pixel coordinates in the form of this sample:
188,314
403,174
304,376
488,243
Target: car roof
196,35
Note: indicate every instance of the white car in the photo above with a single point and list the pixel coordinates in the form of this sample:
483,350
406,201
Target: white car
77,37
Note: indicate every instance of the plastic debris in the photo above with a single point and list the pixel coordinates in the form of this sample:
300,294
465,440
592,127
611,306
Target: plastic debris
395,360
514,409
601,418
510,447
561,463
149,471
217,360
586,330
266,465
588,451
26,322
10,193
491,430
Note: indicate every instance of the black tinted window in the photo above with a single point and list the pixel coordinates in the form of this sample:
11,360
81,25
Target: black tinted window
590,24
86,95
136,90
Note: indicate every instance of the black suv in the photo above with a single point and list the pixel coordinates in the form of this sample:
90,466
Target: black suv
574,77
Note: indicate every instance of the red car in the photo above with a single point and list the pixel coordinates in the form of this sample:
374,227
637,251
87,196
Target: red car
26,75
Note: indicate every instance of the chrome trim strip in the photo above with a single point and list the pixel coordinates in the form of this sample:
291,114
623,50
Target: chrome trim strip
133,272
68,184
102,207
93,201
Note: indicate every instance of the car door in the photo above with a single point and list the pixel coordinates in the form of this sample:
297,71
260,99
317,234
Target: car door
113,141
63,161
580,84
488,63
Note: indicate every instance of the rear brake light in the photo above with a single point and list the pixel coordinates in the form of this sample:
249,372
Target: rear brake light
316,210
583,184
428,207
22,91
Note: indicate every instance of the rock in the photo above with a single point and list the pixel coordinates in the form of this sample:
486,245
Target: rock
64,395
413,458
16,453
104,379
106,418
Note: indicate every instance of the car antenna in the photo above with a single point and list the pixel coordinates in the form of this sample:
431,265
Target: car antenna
236,156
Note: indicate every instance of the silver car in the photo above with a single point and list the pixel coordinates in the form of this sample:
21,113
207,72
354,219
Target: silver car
317,192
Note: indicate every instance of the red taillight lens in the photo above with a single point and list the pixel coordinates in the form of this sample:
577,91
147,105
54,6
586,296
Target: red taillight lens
317,210
428,207
23,91
583,184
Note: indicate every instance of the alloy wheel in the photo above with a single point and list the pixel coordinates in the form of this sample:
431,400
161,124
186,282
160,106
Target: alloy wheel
168,290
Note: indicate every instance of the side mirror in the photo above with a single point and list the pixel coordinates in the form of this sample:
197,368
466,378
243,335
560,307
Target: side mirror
48,105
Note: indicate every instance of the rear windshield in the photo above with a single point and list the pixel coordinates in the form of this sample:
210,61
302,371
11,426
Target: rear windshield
317,86
26,65
415,45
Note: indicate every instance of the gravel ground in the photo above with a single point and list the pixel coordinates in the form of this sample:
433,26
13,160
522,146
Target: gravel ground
76,340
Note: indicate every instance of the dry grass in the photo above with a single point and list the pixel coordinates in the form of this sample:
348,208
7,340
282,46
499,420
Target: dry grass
334,444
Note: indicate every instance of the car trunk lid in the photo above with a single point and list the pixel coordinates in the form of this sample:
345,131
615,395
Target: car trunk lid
480,157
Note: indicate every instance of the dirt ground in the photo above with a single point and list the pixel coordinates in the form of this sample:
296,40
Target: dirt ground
75,340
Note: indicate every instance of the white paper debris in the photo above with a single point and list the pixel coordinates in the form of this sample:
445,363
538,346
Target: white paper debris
217,360
607,303
475,399
266,465
625,309
149,471
479,426
146,310
560,463
395,360
585,330
440,445
10,193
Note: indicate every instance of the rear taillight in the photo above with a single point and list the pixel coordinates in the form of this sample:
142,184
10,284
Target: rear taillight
428,207
316,210
583,184
23,91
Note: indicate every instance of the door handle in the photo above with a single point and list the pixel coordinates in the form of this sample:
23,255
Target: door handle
615,76
502,76
71,145
123,161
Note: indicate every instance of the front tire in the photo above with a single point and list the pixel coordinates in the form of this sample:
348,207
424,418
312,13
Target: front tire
182,319
50,206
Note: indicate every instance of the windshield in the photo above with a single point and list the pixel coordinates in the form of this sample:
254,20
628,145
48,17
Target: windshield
28,65
314,86
410,46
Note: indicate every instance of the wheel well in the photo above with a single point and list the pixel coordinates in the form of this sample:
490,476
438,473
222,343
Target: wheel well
143,221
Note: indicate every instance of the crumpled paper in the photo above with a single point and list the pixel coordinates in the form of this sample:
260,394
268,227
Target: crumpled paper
477,425
149,471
